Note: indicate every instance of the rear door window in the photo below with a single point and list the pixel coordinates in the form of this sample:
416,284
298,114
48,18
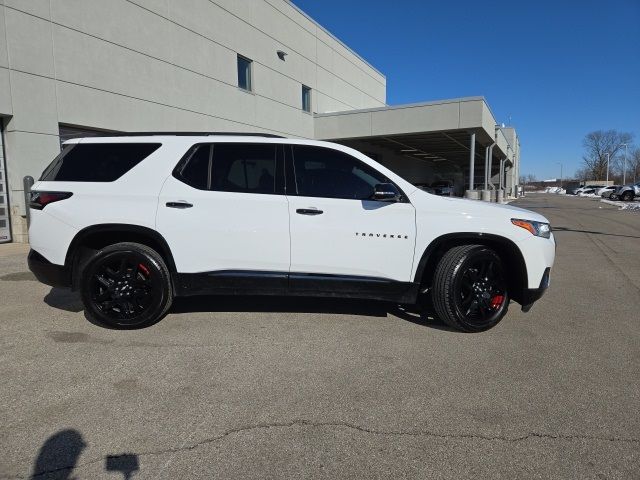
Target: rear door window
97,162
244,167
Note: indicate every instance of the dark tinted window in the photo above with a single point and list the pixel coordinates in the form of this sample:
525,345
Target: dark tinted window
249,168
323,172
306,98
244,73
97,162
195,170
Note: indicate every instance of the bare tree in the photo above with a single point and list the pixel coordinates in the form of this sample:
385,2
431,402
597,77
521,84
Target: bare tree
596,145
582,175
633,164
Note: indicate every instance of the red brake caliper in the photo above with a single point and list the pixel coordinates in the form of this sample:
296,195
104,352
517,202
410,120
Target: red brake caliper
144,269
496,301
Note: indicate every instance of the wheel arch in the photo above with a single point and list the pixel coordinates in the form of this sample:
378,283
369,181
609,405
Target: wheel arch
508,251
95,237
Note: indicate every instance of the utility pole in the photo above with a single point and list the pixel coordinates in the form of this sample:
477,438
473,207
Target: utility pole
607,168
624,169
560,163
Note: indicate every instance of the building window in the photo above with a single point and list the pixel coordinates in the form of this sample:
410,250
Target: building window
306,98
244,74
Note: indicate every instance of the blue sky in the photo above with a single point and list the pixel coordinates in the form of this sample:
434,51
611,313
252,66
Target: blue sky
559,69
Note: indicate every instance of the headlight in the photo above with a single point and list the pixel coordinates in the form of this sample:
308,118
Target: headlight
539,229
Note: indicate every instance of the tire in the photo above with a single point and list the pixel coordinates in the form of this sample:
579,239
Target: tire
126,286
469,290
627,196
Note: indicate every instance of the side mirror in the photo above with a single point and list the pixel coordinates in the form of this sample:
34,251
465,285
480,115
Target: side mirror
386,192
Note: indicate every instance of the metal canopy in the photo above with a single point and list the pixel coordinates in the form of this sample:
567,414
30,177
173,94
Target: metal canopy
439,130
434,146
442,135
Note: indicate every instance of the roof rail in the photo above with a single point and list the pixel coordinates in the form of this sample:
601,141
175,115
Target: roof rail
185,134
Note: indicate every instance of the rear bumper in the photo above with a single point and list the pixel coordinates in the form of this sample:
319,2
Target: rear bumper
47,272
532,295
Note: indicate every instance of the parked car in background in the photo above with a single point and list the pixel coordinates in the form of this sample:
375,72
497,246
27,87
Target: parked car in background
425,187
606,192
570,186
582,189
628,192
443,187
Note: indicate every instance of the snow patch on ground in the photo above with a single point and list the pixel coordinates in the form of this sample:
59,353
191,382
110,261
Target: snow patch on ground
635,205
557,190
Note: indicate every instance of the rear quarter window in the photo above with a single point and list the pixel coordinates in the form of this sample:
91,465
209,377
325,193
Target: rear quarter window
97,162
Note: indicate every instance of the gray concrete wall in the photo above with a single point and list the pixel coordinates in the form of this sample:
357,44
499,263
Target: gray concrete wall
513,173
164,65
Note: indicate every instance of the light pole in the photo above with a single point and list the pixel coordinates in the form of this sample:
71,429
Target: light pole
624,169
560,163
607,168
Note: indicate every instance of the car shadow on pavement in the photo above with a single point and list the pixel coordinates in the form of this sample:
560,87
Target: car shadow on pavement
59,455
64,299
281,304
565,229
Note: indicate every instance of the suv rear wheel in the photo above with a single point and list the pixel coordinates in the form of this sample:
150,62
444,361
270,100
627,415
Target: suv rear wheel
627,196
469,290
126,285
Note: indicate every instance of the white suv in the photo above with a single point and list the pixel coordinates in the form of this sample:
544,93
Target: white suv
133,221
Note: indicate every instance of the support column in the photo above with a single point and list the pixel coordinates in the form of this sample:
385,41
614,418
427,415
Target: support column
472,161
471,192
486,193
500,192
486,167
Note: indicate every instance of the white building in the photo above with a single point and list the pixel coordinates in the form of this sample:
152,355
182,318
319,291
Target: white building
74,67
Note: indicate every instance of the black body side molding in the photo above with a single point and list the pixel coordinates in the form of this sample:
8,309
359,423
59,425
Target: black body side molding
235,282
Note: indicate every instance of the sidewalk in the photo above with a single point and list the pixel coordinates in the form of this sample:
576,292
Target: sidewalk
9,249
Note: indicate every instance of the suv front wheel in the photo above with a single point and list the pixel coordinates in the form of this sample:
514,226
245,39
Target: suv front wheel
469,290
126,285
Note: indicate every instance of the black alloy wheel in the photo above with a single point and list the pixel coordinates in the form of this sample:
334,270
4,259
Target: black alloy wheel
126,285
469,288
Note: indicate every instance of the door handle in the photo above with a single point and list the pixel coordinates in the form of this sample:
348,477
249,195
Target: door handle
308,211
180,204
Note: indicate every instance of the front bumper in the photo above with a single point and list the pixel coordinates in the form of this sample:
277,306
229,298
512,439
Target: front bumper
532,295
47,272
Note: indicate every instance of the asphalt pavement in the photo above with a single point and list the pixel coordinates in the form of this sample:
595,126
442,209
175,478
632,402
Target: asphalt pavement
307,388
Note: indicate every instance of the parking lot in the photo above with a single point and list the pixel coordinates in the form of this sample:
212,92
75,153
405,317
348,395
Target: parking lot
291,388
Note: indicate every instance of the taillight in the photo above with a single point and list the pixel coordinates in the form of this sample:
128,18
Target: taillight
39,200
